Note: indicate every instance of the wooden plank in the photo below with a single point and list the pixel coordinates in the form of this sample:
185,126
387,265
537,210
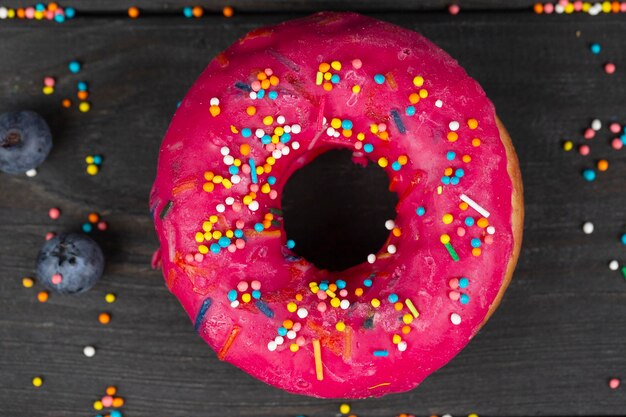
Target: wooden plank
548,350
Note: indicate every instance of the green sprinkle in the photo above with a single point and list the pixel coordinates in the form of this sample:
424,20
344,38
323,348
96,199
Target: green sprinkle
276,211
275,223
452,252
624,271
166,209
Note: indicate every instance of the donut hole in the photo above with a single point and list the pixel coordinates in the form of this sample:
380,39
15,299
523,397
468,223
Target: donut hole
335,210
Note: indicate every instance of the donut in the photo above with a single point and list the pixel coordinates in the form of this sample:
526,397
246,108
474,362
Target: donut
268,105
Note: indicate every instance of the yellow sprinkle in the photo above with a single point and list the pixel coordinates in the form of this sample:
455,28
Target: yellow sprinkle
360,136
203,249
336,65
216,234
568,145
292,307
445,239
37,381
374,128
411,308
246,298
279,130
356,89
407,319
294,347
268,120
418,81
423,93
207,226
92,169
229,233
328,76
447,218
48,90
472,124
340,326
396,339
335,123
110,298
213,218
344,408
199,237
84,106
375,302
97,405
335,302
319,78
28,282
89,159
439,190
382,162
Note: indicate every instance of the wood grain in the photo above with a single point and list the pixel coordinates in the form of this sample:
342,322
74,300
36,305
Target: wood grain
549,349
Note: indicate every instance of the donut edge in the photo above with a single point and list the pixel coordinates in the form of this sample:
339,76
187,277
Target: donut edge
517,216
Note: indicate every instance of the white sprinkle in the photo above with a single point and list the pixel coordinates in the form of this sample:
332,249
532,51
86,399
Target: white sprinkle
89,351
344,304
455,319
259,133
215,101
297,129
254,206
613,265
31,172
295,145
447,415
235,179
454,125
235,304
588,228
287,129
229,160
253,95
224,150
391,249
229,201
475,206
302,312
3,12
285,150
596,124
371,258
438,103
402,346
291,335
336,134
330,131
491,230
276,153
220,208
280,120
559,8
390,224
279,340
271,346
324,121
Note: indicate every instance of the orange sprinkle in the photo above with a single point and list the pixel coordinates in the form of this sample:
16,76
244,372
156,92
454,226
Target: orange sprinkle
472,123
414,98
111,390
66,103
231,338
197,11
104,318
475,142
133,12
463,205
452,136
42,296
244,149
538,8
228,11
476,251
603,165
467,159
118,402
317,353
482,222
324,67
53,7
251,110
93,217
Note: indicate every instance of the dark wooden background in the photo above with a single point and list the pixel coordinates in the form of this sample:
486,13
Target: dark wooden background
550,348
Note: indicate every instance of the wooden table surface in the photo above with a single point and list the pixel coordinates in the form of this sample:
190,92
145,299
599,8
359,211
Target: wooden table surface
550,348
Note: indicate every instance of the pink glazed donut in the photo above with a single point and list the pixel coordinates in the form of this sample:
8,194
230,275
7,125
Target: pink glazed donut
270,104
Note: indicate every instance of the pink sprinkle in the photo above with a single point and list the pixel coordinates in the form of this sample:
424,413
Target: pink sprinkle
256,85
56,279
237,206
102,226
382,127
189,258
460,231
280,146
578,5
609,68
563,2
617,144
488,239
589,133
240,243
29,12
54,213
584,150
548,8
615,127
50,235
107,401
245,168
268,71
270,147
254,188
454,283
242,286
49,14
239,224
300,341
356,63
49,81
343,293
358,146
322,295
614,383
256,285
454,295
232,248
198,257
622,7
454,9
273,194
297,326
321,306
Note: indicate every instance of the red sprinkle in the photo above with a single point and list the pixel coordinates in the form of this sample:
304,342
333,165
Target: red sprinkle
584,150
454,9
50,235
615,127
617,144
56,279
54,213
589,133
609,68
614,383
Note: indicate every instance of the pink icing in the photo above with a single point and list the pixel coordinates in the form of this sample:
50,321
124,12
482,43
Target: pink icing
421,269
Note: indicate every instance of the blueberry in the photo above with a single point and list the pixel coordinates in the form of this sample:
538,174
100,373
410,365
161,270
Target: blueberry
70,263
25,141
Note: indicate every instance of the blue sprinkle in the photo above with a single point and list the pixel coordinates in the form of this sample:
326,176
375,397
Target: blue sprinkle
445,180
223,242
258,227
238,233
256,294
379,78
454,180
463,283
623,239
623,138
282,331
246,132
459,172
450,155
203,309
465,299
74,67
291,244
420,211
346,124
266,139
335,79
253,171
341,284
410,111
367,282
273,95
232,295
178,104
368,147
70,12
323,286
469,221
59,18
215,248
260,94
589,174
243,86
381,353
393,298
97,159
115,413
82,86
475,243
87,227
595,48
396,166
271,180
286,137
40,7
233,170
188,12
395,115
